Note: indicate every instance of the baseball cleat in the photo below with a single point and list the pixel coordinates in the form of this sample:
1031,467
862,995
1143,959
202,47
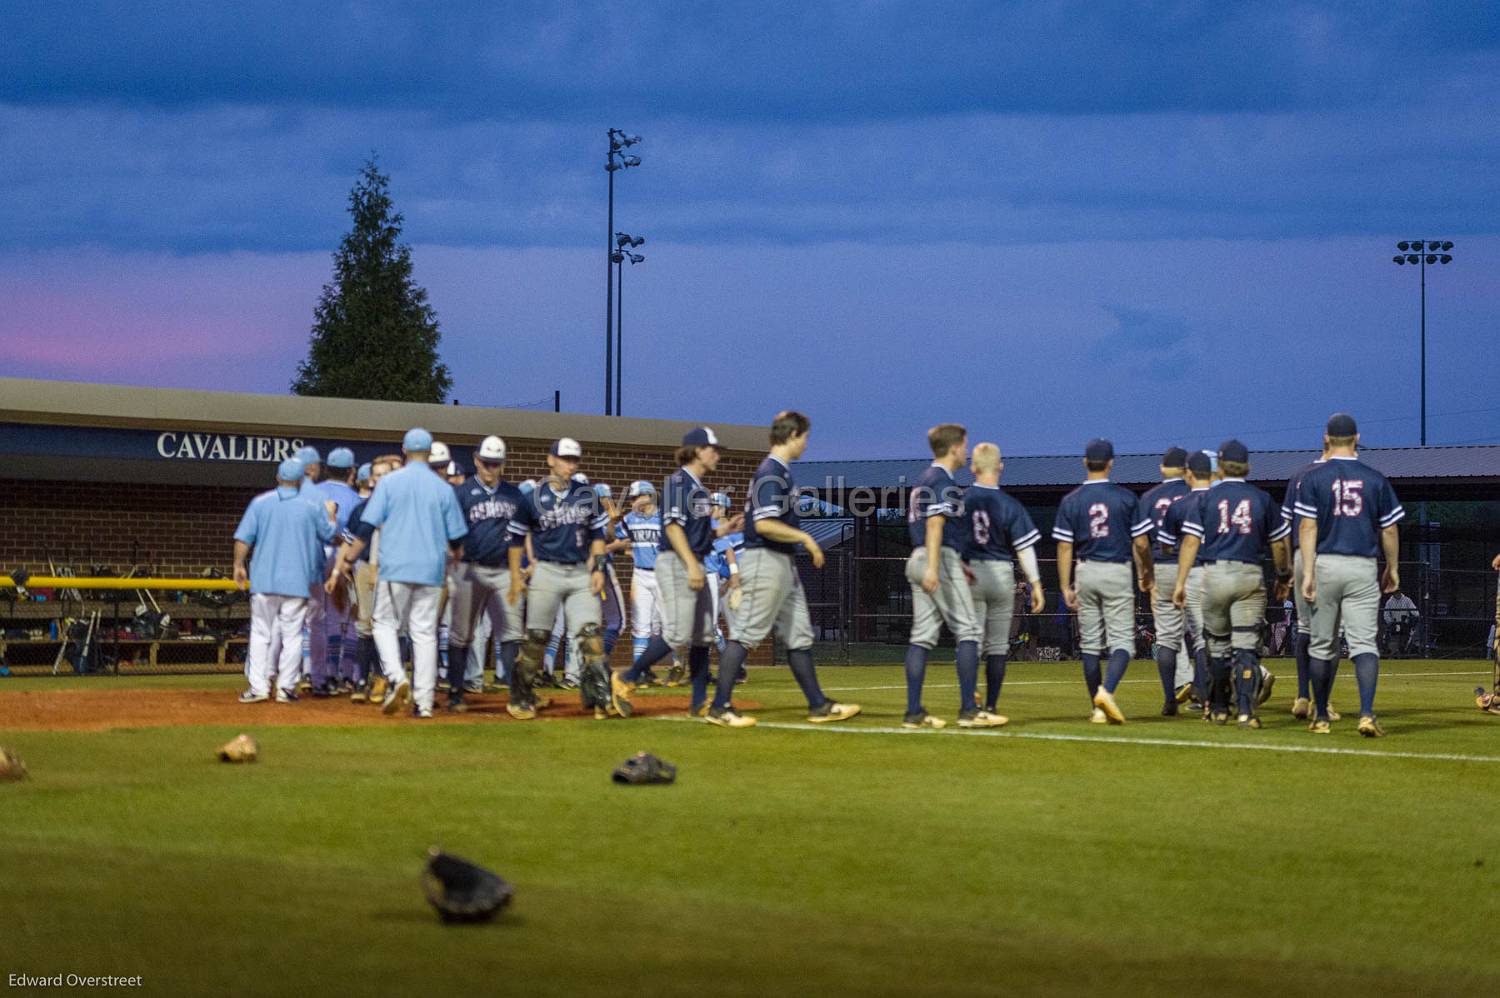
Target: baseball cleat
1320,726
250,696
359,694
730,718
457,707
698,709
1334,715
541,703
1184,693
600,714
619,693
1267,683
304,686
1105,701
521,711
831,710
922,719
1249,721
1370,728
1098,717
1169,709
1220,717
287,696
982,719
568,683
397,697
1301,708
378,688
677,675
424,713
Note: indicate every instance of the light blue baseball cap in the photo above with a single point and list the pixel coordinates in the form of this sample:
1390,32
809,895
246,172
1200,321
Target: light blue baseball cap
290,470
603,491
364,473
416,439
341,458
309,455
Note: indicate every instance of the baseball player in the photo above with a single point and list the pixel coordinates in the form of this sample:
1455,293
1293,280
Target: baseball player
999,532
1105,526
1347,515
613,610
364,573
420,525
287,534
772,594
566,526
722,565
940,591
479,582
1200,478
1302,705
337,488
1165,616
686,602
1234,525
639,530
315,635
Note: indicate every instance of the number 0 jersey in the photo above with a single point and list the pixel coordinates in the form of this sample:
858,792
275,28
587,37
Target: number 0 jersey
998,525
1100,519
1352,503
1235,521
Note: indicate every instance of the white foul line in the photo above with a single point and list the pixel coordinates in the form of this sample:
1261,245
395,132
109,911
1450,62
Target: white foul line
1112,740
1124,682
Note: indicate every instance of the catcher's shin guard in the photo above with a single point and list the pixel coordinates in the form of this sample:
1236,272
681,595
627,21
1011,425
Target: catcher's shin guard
593,674
528,666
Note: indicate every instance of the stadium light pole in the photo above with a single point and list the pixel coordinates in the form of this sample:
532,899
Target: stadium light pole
617,159
1419,253
624,243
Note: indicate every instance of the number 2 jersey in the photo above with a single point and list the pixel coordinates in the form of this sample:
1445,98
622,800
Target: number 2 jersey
1352,503
1100,519
1235,521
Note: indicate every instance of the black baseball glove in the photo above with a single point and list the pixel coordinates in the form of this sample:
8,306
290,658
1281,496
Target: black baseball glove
462,891
642,768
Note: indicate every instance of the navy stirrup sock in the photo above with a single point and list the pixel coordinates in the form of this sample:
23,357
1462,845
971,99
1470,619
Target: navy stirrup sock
1091,674
994,679
801,662
968,674
1304,683
1166,670
1366,672
916,672
1119,661
656,650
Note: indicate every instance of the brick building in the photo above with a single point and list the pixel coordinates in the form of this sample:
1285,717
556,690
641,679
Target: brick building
119,476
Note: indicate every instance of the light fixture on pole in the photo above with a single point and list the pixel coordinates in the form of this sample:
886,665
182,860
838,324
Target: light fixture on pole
624,244
617,159
1419,253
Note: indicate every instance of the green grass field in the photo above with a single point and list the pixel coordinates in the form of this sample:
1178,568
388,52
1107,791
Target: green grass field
1058,857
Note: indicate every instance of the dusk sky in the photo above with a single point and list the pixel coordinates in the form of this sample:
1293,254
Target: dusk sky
1160,222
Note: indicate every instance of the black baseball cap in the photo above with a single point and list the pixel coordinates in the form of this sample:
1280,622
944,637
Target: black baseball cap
1233,450
1098,450
1175,457
1200,464
700,436
1341,424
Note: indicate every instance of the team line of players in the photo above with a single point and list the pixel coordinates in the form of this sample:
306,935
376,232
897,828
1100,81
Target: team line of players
547,549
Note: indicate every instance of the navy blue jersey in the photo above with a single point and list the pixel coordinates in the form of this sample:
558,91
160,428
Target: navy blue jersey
488,513
685,502
355,528
935,493
1170,531
771,497
562,527
1235,521
1289,504
998,525
1158,499
1352,503
1100,518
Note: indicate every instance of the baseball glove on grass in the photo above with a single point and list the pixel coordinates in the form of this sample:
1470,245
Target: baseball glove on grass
12,769
242,749
462,891
643,768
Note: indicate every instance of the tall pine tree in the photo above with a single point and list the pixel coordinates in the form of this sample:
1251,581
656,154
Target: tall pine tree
374,335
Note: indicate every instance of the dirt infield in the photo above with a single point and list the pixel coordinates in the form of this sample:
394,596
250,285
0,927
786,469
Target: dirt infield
100,710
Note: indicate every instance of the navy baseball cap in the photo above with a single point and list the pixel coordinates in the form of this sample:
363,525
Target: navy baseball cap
341,458
700,436
1098,450
1341,424
417,439
1233,450
566,447
309,455
1200,464
1175,457
290,470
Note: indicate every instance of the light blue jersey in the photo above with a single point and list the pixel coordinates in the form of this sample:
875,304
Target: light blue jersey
343,497
718,559
417,513
644,534
287,533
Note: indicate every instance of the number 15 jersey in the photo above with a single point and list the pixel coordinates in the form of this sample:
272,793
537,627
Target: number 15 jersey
1100,519
1352,503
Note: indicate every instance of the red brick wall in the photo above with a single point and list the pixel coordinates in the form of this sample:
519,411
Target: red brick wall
181,530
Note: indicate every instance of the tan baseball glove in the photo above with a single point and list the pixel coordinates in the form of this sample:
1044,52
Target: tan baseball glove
11,767
243,748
